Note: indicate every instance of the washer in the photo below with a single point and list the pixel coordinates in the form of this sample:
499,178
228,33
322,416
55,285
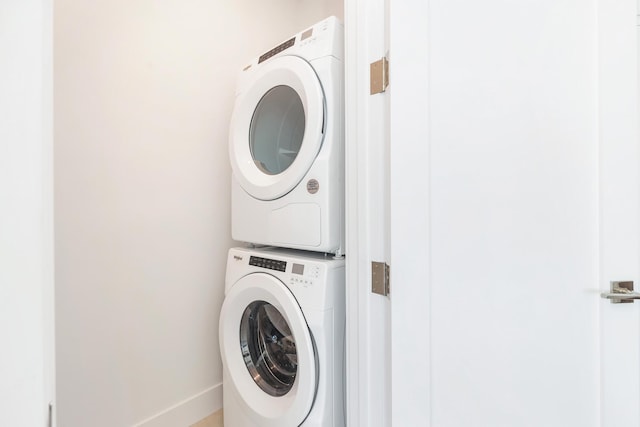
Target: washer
282,330
286,144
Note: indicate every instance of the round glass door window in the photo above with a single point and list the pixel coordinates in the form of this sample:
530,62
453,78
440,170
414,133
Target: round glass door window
268,348
277,129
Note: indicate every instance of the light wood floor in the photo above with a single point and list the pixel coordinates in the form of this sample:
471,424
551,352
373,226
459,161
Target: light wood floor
213,420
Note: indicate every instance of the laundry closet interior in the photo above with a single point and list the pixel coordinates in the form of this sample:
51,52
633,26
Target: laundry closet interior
513,208
144,93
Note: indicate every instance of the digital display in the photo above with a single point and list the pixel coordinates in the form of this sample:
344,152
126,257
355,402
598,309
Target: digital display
297,269
306,34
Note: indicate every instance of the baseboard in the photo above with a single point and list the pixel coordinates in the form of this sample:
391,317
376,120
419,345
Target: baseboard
189,411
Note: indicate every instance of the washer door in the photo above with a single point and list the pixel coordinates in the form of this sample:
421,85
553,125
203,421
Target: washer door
277,127
268,351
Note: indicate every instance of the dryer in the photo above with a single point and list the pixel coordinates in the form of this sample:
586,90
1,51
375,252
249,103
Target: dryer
282,329
286,144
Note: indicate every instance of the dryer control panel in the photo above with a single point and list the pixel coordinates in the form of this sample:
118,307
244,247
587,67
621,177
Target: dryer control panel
323,39
276,50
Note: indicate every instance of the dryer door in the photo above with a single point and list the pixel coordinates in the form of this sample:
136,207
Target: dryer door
277,127
268,351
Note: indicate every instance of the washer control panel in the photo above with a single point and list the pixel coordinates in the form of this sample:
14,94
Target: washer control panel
270,264
304,274
296,273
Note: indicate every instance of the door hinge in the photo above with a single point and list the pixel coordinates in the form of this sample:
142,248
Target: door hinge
379,76
50,417
380,278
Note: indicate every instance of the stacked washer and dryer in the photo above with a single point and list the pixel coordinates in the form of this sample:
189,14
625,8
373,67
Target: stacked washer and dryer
282,324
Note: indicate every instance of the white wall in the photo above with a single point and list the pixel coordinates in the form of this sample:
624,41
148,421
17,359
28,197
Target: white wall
143,95
26,257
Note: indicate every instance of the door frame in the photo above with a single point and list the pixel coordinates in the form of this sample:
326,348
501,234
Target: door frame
27,135
368,334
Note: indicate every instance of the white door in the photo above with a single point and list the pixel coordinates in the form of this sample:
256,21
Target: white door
514,194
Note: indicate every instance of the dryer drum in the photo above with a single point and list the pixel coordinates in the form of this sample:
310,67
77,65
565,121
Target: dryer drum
268,348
